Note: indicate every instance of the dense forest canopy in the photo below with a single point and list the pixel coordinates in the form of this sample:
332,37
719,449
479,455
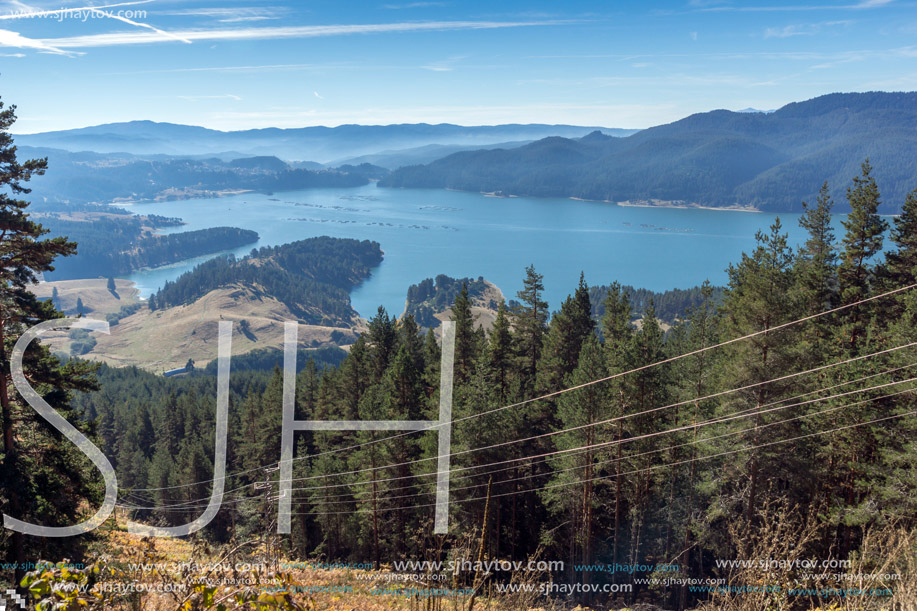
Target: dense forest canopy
770,161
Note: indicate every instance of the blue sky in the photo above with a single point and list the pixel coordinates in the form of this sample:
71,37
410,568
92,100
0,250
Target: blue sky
233,64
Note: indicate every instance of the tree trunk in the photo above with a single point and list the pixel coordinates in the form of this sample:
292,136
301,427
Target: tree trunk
376,555
10,468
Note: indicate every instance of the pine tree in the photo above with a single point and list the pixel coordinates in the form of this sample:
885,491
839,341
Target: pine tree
432,356
307,386
464,335
500,353
383,336
617,332
852,453
645,389
817,258
694,378
900,267
759,298
815,272
862,241
894,477
413,342
32,479
530,319
111,285
574,497
568,330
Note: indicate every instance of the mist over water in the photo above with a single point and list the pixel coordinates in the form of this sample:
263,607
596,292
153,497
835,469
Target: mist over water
429,232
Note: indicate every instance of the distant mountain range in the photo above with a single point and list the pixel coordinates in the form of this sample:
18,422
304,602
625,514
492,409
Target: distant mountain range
769,161
322,144
395,159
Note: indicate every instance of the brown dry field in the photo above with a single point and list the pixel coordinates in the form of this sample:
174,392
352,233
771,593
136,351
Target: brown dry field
166,339
96,297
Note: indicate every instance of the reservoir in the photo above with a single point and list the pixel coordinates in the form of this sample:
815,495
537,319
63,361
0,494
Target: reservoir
429,232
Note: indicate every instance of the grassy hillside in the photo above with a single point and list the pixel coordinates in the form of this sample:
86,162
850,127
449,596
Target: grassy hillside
97,300
165,339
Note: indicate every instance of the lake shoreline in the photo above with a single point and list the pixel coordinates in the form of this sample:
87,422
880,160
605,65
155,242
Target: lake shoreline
178,196
674,206
626,203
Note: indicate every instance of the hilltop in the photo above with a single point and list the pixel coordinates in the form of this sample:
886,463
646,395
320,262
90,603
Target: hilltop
430,301
164,339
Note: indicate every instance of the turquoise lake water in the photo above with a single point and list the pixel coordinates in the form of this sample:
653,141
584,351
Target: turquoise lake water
428,232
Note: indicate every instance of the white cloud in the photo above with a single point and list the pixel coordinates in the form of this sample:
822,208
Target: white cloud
446,65
84,12
873,3
252,68
803,29
864,4
787,31
135,38
231,14
138,24
16,40
317,95
225,96
414,5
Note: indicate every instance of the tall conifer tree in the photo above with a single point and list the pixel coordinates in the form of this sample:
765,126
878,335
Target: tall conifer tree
48,483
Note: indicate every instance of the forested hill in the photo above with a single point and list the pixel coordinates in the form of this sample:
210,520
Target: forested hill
91,177
430,297
116,244
311,277
771,161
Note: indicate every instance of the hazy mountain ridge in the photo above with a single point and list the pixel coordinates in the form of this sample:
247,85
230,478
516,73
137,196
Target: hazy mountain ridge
394,159
316,143
87,177
771,161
